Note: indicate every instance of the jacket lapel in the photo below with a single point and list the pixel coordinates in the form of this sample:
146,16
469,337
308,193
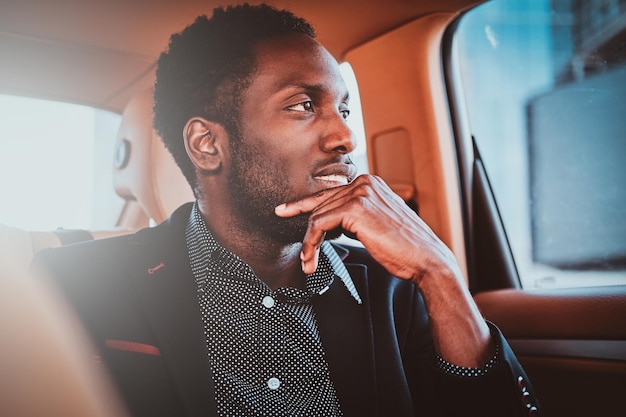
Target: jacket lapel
159,266
345,329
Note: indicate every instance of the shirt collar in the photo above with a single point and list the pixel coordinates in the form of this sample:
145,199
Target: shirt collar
340,270
196,226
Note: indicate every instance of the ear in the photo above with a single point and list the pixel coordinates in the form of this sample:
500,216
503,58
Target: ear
206,143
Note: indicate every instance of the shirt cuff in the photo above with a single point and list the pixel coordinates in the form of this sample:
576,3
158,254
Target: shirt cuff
464,372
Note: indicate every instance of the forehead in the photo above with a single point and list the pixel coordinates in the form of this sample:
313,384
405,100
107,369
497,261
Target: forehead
295,60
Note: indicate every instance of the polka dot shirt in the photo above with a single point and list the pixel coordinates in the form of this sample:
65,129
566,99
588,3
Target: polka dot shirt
264,347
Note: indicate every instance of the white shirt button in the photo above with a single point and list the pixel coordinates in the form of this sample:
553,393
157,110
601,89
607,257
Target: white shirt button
268,302
273,383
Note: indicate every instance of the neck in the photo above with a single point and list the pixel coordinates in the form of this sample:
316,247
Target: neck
277,268
276,264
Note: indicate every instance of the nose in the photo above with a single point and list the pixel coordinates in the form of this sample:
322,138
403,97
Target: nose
338,136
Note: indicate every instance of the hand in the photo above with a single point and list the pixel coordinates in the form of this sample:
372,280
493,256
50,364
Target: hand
407,248
370,211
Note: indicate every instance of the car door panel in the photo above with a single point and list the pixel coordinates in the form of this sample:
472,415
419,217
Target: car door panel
571,342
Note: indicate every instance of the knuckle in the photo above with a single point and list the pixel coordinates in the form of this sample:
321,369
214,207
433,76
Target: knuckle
320,195
363,191
360,202
314,221
365,179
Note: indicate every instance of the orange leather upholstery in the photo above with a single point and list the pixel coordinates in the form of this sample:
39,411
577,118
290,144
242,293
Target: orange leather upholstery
588,313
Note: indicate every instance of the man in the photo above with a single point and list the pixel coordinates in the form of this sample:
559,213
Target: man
238,305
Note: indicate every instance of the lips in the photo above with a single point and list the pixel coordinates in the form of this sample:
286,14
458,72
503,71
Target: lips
336,175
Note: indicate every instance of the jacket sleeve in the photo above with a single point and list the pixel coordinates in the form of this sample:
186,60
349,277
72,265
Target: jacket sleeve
504,390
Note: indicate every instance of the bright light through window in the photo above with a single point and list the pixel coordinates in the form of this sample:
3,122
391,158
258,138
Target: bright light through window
55,165
355,121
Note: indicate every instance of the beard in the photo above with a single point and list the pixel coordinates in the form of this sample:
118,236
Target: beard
257,185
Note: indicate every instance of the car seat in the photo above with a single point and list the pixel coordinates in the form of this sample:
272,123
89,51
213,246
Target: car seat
145,173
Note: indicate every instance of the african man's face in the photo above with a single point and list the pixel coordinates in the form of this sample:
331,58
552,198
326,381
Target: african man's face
293,138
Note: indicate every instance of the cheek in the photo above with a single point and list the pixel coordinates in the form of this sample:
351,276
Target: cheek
289,172
284,158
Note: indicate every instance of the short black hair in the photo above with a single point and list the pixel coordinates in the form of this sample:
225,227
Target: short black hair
207,66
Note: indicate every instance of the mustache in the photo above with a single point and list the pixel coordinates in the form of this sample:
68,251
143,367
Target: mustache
345,160
341,159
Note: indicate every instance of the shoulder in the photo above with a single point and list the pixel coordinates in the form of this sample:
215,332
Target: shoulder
105,256
74,257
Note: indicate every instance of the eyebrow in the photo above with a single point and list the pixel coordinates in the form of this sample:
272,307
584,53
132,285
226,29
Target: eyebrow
317,88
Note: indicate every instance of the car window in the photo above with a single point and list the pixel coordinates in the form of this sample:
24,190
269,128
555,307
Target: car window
355,120
544,84
56,164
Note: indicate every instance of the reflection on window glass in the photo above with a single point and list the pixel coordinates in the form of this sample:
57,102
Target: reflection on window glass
545,87
56,165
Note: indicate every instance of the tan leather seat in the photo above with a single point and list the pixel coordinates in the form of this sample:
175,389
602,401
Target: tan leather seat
145,174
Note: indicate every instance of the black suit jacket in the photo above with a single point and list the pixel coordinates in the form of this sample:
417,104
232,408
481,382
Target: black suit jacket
136,296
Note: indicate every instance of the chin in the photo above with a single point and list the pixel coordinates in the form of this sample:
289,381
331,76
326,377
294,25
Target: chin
292,230
286,231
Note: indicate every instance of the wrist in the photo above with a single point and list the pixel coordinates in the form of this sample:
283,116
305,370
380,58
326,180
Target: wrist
463,371
460,333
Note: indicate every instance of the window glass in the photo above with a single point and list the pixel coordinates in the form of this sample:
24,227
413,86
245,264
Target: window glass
56,165
356,124
355,120
544,83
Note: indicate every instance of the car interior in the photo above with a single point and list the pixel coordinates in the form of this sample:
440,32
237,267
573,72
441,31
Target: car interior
422,135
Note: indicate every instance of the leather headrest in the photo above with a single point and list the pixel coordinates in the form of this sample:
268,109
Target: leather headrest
145,170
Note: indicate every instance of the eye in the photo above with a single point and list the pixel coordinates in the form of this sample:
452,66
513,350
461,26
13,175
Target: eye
344,110
305,106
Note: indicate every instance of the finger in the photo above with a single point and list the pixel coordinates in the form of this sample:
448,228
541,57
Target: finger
319,224
306,204
310,258
311,244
